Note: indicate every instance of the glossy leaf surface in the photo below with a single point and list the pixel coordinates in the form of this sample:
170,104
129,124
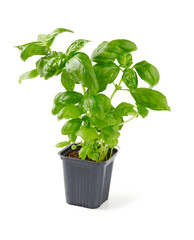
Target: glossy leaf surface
50,65
31,49
150,99
79,67
67,81
130,79
87,133
147,72
71,126
28,75
105,73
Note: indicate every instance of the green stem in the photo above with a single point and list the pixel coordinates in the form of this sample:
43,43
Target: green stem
111,152
116,88
125,89
129,119
84,90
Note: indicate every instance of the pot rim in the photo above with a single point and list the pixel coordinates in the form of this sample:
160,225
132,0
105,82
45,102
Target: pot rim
85,162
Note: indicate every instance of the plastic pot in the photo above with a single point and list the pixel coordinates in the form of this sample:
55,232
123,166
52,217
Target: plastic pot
87,183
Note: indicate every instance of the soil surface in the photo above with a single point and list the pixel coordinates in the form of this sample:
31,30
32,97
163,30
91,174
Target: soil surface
75,154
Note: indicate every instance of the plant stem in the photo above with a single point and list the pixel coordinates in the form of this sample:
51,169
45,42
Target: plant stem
129,119
84,90
125,89
111,152
116,88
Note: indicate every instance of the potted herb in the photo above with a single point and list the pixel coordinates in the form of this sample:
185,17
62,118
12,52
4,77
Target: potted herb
91,116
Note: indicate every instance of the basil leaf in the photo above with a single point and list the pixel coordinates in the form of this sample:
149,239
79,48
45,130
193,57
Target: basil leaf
72,137
57,108
107,121
79,67
62,144
143,112
122,45
147,72
93,156
87,133
31,49
130,79
110,131
70,111
105,102
125,59
48,39
71,126
41,37
105,74
76,46
69,97
67,81
150,99
109,51
51,65
87,121
28,75
94,105
84,151
103,53
112,142
124,109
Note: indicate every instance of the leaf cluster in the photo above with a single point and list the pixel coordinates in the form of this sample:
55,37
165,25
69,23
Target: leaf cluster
90,115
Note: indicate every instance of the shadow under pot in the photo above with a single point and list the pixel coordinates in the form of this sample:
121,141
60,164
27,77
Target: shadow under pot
87,183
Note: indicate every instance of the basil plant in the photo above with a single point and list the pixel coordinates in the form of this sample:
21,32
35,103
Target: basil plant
90,114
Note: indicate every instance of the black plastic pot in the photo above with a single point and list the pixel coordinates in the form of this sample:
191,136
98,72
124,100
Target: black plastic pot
87,183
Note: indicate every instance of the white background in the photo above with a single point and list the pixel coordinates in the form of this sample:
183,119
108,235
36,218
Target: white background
152,189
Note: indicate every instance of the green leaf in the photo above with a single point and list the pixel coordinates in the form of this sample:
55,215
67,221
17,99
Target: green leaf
125,59
28,75
62,144
87,133
130,79
71,126
72,137
57,108
112,143
103,53
149,98
80,69
73,147
76,46
124,109
70,111
147,72
122,45
84,151
94,105
48,39
105,73
69,97
93,156
50,65
31,49
86,120
105,102
67,81
110,132
142,111
41,37
109,51
107,121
